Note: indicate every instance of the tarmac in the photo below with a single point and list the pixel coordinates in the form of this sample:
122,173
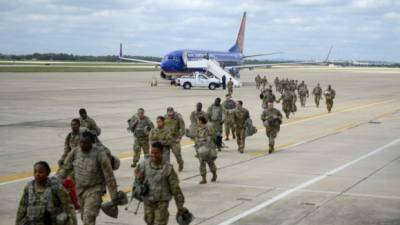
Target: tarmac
329,168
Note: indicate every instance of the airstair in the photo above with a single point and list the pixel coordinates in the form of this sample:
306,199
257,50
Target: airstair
213,67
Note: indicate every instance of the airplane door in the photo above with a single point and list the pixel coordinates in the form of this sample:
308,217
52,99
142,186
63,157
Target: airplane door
185,57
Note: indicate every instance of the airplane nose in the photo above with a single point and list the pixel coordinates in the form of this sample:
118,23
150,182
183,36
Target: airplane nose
166,66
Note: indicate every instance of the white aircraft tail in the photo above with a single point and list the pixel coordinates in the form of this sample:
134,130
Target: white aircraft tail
213,67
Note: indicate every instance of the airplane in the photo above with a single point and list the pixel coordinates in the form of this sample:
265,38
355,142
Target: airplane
173,64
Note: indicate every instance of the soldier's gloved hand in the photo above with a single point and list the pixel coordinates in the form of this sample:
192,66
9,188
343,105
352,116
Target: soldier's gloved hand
115,201
181,209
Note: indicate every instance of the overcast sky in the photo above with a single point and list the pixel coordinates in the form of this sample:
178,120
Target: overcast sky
303,29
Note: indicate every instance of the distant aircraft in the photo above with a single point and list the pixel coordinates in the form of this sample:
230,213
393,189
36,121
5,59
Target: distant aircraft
176,63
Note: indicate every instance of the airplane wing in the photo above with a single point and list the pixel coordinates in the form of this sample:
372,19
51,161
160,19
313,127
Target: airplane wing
140,60
136,60
262,54
268,65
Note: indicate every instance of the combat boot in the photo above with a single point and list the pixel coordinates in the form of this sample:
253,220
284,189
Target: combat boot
203,180
133,165
180,168
214,177
271,149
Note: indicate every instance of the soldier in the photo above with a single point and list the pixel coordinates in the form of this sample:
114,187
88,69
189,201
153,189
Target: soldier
303,94
163,135
276,82
264,82
163,183
140,125
216,118
267,96
194,116
71,141
92,171
45,200
317,92
300,85
88,122
330,94
287,103
241,115
224,82
272,119
258,81
205,149
229,107
294,106
174,122
230,86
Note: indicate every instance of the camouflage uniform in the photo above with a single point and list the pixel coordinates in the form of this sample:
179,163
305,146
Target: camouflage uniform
258,81
177,129
71,142
163,184
330,94
229,123
276,82
194,116
267,97
140,129
264,82
317,92
230,87
37,201
204,138
303,94
92,172
272,119
216,118
165,137
91,125
287,103
294,106
241,115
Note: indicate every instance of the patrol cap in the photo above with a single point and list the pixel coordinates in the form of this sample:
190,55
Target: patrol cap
170,109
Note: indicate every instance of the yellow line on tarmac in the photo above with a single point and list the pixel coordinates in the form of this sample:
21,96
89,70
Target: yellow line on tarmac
346,126
128,154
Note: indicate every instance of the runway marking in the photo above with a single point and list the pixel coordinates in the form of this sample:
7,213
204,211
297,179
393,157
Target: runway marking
391,197
17,177
306,184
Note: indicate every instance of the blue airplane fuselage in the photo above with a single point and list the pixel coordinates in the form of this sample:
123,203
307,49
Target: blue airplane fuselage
173,63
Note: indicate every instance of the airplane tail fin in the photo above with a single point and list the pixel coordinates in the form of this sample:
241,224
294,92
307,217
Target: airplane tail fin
238,46
120,49
329,54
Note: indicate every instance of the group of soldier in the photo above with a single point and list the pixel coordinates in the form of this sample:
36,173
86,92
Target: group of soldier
86,167
287,89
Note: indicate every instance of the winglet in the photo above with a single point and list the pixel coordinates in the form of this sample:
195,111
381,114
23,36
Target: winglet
120,49
329,54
